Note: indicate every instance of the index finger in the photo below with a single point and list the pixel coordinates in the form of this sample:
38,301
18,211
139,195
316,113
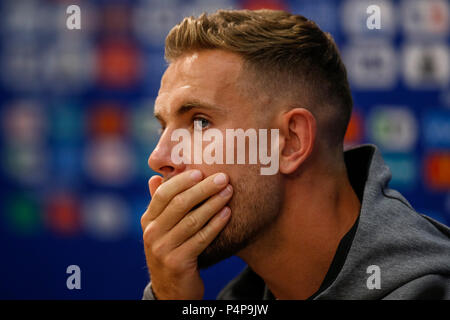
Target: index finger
169,189
154,183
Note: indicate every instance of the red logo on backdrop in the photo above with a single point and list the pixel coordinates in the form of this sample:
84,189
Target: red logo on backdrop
118,64
115,19
264,4
437,170
107,119
355,130
63,214
438,16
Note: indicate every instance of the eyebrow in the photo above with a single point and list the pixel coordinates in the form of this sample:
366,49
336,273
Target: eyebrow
192,104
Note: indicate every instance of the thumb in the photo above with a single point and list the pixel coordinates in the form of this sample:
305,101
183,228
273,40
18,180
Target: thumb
154,183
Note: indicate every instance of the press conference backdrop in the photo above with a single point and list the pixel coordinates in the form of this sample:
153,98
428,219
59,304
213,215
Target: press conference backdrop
77,127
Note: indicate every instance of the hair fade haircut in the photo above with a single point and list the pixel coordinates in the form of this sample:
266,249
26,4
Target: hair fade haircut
286,52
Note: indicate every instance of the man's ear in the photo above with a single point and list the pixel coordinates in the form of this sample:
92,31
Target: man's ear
298,133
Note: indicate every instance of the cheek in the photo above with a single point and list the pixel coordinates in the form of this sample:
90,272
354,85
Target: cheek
254,188
242,176
245,179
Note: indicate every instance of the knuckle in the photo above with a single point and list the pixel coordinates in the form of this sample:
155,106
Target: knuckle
202,237
149,231
158,250
178,202
159,195
191,222
204,188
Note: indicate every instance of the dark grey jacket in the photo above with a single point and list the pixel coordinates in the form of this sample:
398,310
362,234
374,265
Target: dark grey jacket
395,252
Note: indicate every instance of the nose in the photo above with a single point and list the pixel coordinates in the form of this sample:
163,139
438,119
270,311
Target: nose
160,159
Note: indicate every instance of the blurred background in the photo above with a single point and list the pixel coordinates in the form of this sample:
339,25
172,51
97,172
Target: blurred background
77,128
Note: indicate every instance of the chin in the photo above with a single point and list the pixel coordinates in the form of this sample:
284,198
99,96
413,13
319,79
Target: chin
214,254
221,248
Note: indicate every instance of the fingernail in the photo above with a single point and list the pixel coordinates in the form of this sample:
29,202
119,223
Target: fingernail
220,179
226,192
196,175
225,212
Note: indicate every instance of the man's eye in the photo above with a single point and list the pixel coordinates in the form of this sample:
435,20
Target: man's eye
200,123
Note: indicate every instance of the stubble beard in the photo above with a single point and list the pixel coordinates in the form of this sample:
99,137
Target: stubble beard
254,207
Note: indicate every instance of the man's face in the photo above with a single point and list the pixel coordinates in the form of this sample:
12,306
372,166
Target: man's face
205,90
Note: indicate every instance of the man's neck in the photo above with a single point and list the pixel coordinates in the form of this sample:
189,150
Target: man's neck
295,253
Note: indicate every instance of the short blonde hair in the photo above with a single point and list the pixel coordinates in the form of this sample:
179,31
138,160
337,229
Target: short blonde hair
284,50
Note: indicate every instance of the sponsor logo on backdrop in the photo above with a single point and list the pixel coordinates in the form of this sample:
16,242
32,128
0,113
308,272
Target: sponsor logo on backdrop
21,66
426,66
24,122
393,128
264,4
425,18
119,64
26,164
66,122
34,13
107,119
105,217
404,170
62,214
110,161
371,65
355,129
22,214
437,170
68,64
145,128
